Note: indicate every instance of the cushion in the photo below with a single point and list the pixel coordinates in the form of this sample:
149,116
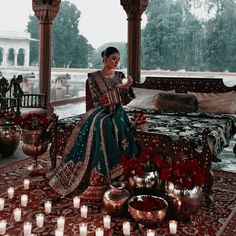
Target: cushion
144,98
219,103
169,102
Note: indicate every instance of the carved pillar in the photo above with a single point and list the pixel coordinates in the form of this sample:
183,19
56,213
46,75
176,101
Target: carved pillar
45,11
134,10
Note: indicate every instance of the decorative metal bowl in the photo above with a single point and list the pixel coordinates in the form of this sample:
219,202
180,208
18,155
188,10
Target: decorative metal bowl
147,210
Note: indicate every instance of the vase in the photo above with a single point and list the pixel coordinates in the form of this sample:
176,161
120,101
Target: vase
185,202
149,183
115,199
9,139
33,145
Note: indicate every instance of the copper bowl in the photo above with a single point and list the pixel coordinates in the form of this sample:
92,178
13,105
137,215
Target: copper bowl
147,210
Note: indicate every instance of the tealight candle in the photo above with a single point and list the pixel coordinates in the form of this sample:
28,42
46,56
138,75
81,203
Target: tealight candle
2,202
61,222
173,226
26,184
40,220
27,228
150,232
10,192
83,229
48,207
84,211
59,232
17,214
24,200
107,221
76,202
3,226
99,232
126,228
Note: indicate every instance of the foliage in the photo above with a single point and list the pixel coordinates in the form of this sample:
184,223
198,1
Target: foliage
6,117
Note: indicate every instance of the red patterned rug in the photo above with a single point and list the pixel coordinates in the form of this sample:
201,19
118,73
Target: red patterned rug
219,219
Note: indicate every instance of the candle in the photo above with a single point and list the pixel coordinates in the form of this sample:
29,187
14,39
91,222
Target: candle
24,200
84,211
150,232
126,228
76,202
124,81
3,225
173,226
26,184
99,232
27,228
83,229
61,222
48,207
2,201
59,232
107,221
39,220
17,214
10,192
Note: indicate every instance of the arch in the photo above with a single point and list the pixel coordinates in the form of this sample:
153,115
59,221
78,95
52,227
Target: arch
11,56
1,55
21,57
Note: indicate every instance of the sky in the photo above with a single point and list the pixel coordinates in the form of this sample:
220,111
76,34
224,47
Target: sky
101,21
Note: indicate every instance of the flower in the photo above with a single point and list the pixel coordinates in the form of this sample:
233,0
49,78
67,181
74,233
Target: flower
139,118
187,174
33,121
6,117
148,160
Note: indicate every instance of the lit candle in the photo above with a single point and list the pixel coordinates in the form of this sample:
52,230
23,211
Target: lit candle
26,184
2,202
124,81
39,220
99,232
17,214
150,232
59,232
24,200
83,229
27,228
10,192
126,228
84,211
61,222
48,207
173,226
3,226
107,221
76,202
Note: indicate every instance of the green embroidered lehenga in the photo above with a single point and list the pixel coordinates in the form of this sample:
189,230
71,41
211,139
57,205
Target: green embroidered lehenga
92,155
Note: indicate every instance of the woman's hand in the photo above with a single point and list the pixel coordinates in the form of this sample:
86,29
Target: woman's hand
126,82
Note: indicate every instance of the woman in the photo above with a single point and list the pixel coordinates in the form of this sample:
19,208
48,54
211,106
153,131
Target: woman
92,156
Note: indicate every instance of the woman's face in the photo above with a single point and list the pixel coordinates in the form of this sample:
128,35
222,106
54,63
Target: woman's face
113,60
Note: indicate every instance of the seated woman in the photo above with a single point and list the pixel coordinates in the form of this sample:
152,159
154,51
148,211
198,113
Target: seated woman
92,156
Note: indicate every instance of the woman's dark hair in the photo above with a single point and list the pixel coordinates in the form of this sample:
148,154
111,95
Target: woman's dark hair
108,51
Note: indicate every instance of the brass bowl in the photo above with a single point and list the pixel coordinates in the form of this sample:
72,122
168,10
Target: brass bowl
147,210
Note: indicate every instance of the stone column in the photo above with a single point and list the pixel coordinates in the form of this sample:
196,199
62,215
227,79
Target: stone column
15,58
134,10
45,11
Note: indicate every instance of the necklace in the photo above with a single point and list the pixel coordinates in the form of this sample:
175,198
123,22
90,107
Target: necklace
108,74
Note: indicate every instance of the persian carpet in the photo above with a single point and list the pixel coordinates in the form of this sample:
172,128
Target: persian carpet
219,219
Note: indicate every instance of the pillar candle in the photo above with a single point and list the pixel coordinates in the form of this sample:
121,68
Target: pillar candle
59,232
24,200
10,192
76,202
150,232
3,225
39,220
17,214
27,228
83,229
26,184
99,232
126,228
173,226
61,222
107,221
48,207
2,202
84,211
